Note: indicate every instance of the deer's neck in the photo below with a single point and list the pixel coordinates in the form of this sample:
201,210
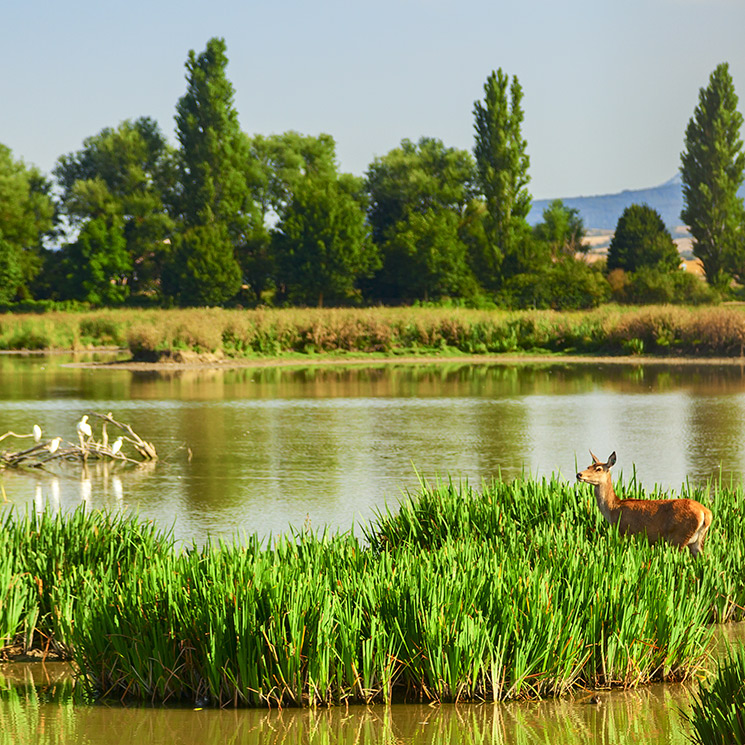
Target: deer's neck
608,502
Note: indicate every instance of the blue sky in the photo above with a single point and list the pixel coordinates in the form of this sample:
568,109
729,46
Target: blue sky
609,86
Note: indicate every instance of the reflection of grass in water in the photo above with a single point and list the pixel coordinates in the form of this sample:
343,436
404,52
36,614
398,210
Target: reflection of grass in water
36,715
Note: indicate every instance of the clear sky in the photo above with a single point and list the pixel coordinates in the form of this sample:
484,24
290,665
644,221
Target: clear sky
609,86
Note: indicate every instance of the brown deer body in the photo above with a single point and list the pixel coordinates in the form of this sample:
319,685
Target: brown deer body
680,522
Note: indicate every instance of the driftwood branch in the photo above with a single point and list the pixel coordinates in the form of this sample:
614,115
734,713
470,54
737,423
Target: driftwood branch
144,448
88,448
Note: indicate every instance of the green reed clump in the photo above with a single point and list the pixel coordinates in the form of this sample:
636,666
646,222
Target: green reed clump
322,621
511,591
44,556
718,711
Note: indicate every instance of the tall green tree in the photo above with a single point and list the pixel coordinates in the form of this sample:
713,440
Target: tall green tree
322,241
712,172
276,164
124,176
27,216
214,197
419,199
562,230
641,240
96,266
502,175
205,278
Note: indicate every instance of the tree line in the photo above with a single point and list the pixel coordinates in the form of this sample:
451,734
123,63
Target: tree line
225,218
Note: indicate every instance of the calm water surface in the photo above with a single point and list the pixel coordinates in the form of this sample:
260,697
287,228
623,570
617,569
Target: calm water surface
42,711
262,449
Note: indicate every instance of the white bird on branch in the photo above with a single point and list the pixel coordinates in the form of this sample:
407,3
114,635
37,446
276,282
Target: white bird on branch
84,429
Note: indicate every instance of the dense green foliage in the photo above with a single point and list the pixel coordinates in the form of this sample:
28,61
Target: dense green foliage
230,219
518,590
123,177
712,171
419,199
642,240
644,265
26,216
322,244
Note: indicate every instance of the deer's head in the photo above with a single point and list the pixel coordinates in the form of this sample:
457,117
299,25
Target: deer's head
597,472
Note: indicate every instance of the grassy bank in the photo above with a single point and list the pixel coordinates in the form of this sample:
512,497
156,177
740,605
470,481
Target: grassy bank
152,335
518,590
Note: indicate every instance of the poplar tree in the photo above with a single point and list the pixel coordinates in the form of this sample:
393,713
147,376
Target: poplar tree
215,198
502,172
712,171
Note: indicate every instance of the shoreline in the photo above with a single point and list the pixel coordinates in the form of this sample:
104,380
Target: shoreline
194,361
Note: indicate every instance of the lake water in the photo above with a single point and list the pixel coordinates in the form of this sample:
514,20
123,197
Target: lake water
263,449
45,714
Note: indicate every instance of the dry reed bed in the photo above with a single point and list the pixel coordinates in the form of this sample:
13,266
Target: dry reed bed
158,334
518,590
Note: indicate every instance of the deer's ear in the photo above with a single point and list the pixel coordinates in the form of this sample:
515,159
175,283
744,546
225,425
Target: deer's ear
611,459
595,458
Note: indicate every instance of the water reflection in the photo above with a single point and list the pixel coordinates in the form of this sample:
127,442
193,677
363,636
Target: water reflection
44,712
260,449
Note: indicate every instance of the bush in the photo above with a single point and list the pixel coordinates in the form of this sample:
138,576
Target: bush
652,286
566,285
145,342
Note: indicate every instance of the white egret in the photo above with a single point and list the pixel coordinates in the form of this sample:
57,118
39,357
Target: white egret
117,445
54,444
84,429
37,433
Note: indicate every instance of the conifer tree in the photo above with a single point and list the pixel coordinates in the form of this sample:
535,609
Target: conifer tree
712,171
215,198
502,171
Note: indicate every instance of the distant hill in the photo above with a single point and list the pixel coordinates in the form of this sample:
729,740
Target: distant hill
602,212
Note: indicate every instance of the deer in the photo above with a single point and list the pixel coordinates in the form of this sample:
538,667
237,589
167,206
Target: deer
680,522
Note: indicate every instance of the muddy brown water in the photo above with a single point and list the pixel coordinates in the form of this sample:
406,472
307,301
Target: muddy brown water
260,450
45,712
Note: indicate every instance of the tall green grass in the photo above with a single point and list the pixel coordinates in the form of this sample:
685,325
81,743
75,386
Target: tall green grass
516,590
718,711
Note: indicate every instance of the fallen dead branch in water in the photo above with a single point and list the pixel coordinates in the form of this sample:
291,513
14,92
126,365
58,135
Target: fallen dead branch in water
42,453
